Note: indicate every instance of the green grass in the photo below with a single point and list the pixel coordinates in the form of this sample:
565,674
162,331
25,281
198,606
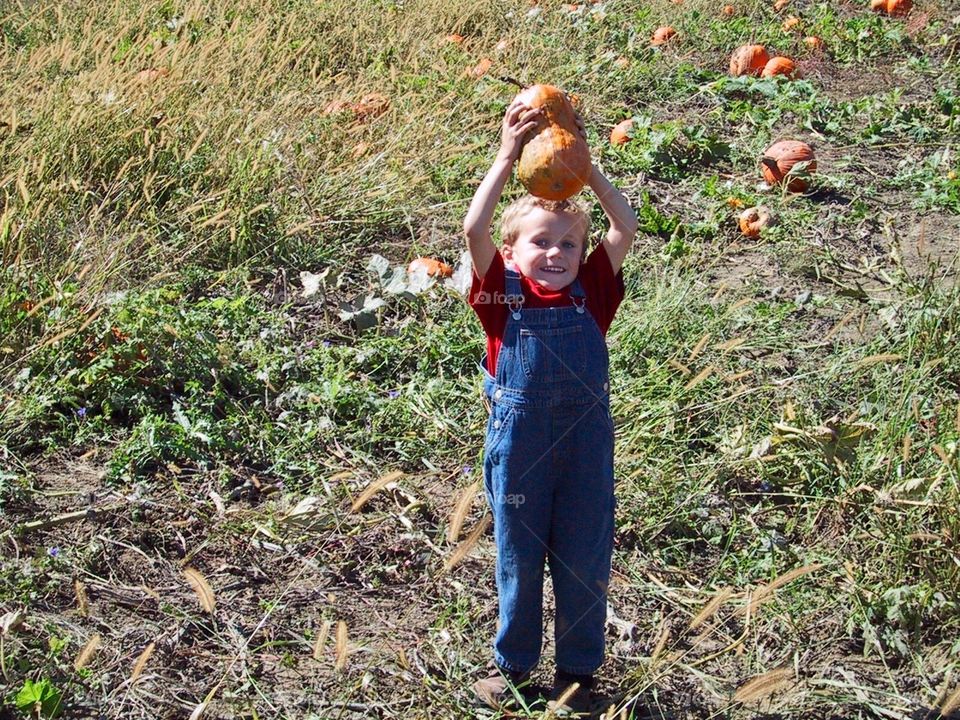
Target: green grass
790,402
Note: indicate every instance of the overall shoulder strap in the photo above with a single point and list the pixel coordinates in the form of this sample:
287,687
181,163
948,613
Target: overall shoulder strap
576,289
512,278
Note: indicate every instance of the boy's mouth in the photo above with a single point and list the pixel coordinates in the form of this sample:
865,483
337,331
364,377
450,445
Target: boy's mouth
553,269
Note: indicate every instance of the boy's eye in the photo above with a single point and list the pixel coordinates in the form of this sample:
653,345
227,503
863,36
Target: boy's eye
540,242
569,245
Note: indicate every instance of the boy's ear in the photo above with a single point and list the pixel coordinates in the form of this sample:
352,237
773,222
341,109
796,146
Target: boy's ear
507,252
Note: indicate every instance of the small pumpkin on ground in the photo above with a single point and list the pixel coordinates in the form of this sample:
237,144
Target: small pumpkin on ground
753,220
779,66
151,74
899,8
791,24
434,268
782,157
748,60
894,8
814,43
662,35
555,162
728,10
481,68
621,132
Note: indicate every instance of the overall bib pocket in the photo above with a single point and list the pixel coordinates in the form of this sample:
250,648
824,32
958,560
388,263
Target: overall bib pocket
553,354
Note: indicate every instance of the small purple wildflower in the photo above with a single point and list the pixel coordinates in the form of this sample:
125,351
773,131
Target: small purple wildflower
53,551
765,486
327,343
81,412
393,394
467,469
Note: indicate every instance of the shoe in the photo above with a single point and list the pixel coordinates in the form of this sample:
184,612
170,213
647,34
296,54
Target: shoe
500,689
572,696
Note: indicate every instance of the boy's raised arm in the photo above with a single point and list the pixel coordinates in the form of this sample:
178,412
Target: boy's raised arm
517,121
623,220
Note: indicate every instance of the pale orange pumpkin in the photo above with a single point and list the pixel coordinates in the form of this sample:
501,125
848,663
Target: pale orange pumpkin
481,68
753,220
779,66
728,10
791,23
780,5
371,106
748,60
455,38
151,74
899,8
781,157
435,268
555,162
621,132
662,35
814,43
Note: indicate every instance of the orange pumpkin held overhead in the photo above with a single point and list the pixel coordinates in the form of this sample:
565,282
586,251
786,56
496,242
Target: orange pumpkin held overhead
748,60
782,157
555,162
662,35
753,220
621,132
434,268
779,66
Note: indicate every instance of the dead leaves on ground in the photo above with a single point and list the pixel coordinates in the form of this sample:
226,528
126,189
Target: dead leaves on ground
202,589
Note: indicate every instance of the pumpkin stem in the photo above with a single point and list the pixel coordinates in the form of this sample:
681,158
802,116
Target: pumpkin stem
512,81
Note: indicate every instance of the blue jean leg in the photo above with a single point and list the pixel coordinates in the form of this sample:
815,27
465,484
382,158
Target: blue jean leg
581,541
519,487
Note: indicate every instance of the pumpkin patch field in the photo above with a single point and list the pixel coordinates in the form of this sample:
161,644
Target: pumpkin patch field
241,420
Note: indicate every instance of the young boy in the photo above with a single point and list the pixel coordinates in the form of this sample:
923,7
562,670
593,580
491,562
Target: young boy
548,458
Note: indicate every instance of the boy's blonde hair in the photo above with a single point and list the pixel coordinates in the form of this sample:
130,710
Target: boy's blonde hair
510,221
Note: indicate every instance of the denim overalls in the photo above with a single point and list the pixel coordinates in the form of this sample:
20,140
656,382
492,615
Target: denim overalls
548,473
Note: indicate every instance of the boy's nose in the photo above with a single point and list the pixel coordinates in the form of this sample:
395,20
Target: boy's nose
553,251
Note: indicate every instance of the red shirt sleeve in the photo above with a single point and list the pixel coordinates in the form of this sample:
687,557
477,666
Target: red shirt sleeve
603,289
485,299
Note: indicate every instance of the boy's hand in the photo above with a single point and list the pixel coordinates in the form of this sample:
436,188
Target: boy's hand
518,120
581,127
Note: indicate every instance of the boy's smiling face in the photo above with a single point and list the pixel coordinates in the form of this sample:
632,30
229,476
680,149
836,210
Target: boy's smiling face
548,248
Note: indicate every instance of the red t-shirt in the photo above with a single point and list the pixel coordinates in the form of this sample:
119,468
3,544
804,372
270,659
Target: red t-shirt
602,288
